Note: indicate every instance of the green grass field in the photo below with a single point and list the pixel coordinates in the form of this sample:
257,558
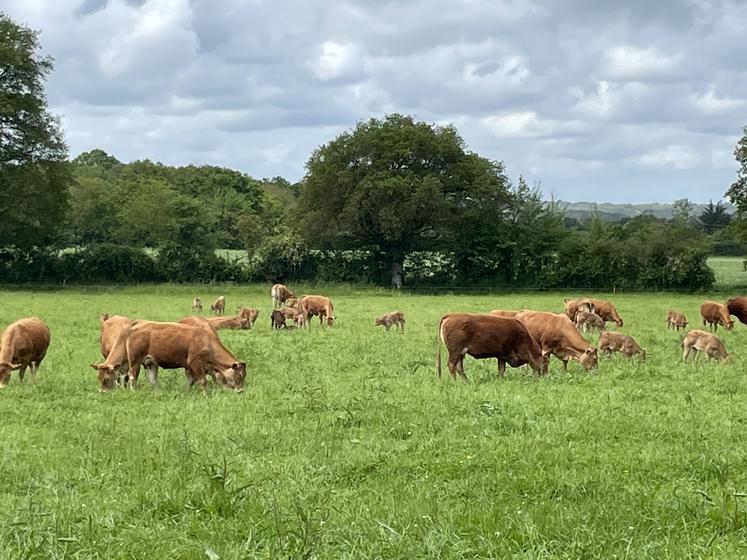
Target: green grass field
729,272
345,445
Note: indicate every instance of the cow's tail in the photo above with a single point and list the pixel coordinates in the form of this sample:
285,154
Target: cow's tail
438,347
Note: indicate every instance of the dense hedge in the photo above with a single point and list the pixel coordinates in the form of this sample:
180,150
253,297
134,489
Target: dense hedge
601,264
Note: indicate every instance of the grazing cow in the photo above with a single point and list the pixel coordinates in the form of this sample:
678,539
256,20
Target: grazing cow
250,313
23,344
573,306
317,305
280,293
291,313
217,323
197,305
557,335
606,311
676,320
702,341
218,306
610,342
715,314
114,333
487,336
277,319
396,318
589,321
503,313
196,349
738,307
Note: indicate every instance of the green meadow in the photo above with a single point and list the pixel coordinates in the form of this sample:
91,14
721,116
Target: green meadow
346,445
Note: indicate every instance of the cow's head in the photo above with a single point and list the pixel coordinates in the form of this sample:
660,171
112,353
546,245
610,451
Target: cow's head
5,369
716,351
103,317
728,323
378,322
619,322
233,377
107,376
244,322
330,320
588,359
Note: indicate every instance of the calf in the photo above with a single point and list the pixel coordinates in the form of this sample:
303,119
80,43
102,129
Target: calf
676,320
610,342
396,318
218,306
280,293
277,319
715,314
486,336
250,313
23,344
503,313
317,305
588,320
738,307
197,305
702,341
557,335
572,306
196,349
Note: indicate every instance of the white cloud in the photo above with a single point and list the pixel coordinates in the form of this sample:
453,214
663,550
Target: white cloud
335,60
675,157
635,63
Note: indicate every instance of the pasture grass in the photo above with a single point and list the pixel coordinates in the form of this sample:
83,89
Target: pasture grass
730,272
345,445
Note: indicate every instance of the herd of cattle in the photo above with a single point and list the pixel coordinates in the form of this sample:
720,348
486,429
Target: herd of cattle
515,338
529,337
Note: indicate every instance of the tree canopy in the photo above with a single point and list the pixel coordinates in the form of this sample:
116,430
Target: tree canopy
395,185
34,174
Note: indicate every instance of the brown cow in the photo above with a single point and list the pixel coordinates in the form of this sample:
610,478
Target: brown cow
280,293
196,349
738,307
557,335
487,336
23,344
589,321
236,322
317,305
396,318
715,314
606,311
250,313
610,342
197,305
277,319
503,313
702,341
218,306
112,340
573,306
676,320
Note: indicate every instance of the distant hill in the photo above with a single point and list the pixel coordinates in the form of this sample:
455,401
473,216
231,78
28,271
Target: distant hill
616,212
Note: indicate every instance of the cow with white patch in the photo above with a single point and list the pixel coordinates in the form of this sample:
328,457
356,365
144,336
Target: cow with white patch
280,294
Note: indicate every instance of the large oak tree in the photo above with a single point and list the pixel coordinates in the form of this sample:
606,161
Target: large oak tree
395,185
34,174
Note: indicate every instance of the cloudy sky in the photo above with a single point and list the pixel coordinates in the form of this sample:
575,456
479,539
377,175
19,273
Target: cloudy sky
604,100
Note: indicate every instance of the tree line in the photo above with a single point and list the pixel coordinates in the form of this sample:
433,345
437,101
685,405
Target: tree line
391,197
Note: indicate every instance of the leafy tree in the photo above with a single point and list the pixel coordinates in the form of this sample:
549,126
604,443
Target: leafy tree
737,193
96,158
714,217
34,175
395,185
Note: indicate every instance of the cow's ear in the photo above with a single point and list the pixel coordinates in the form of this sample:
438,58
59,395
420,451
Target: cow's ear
235,365
95,366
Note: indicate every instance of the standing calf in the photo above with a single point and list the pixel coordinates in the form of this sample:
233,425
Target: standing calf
197,305
589,321
676,320
396,318
701,341
610,342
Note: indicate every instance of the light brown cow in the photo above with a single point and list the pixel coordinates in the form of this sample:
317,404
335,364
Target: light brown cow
589,321
396,318
218,306
606,311
112,340
503,313
196,349
23,344
610,342
556,334
715,314
250,313
317,305
487,336
280,293
197,305
738,307
676,320
573,306
702,341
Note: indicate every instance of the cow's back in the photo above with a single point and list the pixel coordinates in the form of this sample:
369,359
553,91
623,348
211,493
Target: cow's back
552,330
28,337
486,335
110,332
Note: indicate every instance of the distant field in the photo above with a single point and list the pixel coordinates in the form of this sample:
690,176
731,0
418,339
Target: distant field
730,273
345,445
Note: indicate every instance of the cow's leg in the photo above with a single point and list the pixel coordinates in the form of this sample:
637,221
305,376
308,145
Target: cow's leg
33,368
452,364
387,327
152,371
565,364
501,368
133,374
22,372
460,368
